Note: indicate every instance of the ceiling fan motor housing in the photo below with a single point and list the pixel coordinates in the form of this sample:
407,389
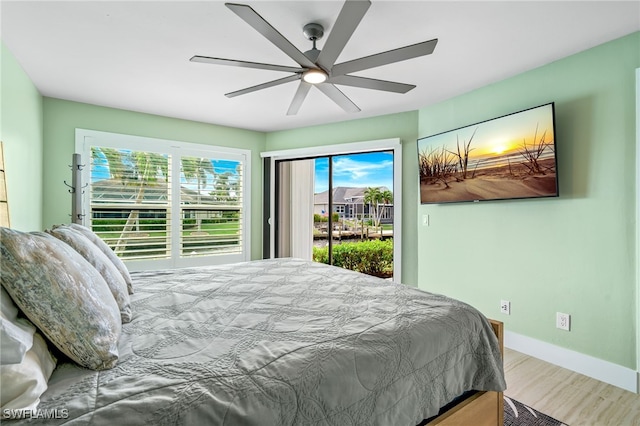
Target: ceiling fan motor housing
313,31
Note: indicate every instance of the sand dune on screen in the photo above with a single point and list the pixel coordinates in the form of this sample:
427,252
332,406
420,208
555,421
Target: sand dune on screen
512,181
487,188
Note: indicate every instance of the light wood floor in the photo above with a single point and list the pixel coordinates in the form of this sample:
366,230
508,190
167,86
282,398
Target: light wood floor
570,397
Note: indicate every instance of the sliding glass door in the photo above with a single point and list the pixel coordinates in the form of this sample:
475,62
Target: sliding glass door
337,209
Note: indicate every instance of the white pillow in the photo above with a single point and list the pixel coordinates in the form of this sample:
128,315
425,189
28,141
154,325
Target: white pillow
16,334
22,384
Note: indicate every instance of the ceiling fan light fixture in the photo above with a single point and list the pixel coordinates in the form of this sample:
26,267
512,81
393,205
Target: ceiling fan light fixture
318,67
315,76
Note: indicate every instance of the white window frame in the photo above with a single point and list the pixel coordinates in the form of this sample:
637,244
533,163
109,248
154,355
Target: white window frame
637,389
87,138
349,148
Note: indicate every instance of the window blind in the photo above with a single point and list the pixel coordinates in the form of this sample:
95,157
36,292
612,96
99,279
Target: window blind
176,205
210,206
131,201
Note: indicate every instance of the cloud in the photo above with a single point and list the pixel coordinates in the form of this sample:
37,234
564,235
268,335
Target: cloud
357,170
351,169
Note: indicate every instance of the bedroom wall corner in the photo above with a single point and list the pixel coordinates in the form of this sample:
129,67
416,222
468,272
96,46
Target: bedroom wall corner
574,254
61,118
21,130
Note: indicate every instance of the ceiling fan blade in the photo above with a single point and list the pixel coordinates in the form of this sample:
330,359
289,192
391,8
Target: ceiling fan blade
338,97
384,58
299,97
245,64
370,83
347,22
264,86
258,23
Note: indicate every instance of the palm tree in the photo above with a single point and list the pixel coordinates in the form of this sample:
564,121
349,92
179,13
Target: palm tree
373,197
199,169
387,198
222,188
138,169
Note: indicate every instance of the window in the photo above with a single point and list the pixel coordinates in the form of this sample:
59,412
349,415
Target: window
161,203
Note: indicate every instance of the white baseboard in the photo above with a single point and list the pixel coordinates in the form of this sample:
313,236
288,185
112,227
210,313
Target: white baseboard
598,369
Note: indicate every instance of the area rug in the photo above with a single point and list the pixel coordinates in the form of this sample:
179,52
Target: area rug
518,414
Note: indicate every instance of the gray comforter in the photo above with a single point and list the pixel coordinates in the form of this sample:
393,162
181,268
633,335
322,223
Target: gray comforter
281,342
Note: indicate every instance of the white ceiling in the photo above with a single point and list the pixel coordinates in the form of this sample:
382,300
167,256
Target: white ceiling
135,55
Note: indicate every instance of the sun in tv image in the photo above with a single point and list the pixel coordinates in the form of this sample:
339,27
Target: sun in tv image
507,157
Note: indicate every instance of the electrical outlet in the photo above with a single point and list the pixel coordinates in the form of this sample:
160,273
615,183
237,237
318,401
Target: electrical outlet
563,321
505,307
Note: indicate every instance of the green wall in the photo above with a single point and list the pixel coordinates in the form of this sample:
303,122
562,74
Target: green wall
61,118
403,126
21,131
575,254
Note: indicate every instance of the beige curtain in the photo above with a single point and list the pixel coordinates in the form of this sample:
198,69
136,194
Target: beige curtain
295,205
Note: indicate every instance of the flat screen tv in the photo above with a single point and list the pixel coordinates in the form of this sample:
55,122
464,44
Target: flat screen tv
513,156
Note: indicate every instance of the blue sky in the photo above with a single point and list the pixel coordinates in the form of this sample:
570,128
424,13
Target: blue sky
357,170
100,171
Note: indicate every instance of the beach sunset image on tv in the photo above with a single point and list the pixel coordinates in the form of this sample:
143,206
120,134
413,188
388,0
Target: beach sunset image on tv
512,156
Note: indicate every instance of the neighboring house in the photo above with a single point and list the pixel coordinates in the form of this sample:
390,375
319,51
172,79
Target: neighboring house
112,200
348,203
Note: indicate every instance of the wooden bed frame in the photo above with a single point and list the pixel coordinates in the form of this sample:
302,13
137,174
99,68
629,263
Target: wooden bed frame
481,408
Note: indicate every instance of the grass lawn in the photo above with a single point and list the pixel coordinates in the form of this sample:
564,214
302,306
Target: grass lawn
210,228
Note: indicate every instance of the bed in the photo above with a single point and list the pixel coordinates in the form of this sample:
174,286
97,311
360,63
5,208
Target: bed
286,342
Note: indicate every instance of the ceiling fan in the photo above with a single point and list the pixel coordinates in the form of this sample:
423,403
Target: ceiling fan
317,67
